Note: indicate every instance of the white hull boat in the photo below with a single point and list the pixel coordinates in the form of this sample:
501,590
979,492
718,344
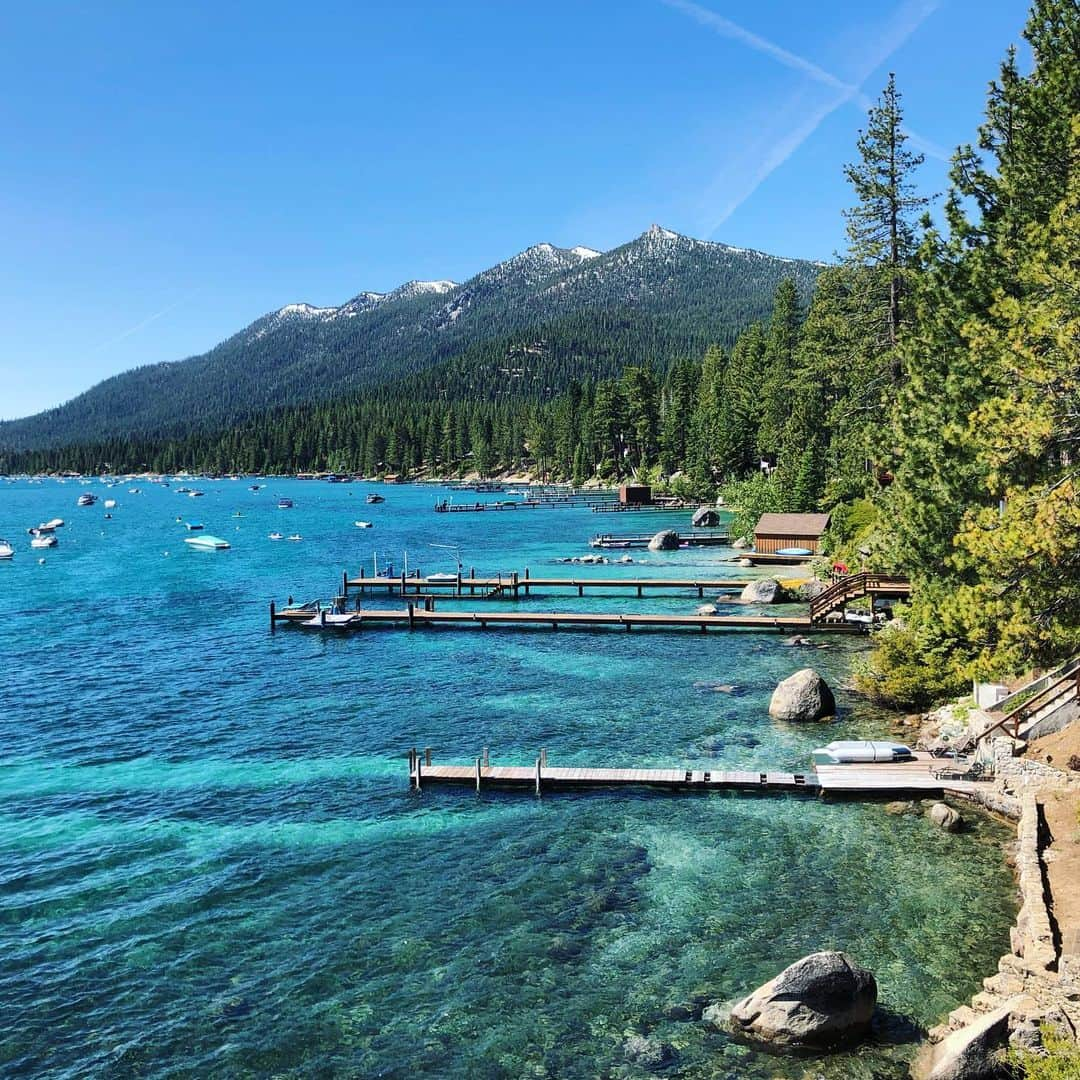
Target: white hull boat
206,542
6,550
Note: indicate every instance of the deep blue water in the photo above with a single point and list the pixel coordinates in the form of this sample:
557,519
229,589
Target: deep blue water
211,862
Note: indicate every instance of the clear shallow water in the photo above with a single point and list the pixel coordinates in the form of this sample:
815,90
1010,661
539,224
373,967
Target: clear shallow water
211,862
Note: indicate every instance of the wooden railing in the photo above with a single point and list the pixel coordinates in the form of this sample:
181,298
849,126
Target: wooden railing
1050,698
854,587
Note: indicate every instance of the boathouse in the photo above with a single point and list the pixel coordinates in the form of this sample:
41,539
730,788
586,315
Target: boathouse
635,494
779,532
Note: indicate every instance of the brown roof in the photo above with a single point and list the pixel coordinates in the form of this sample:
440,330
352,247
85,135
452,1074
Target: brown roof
792,524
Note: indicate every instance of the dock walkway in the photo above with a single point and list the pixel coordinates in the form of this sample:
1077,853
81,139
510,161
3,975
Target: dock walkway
515,584
413,617
872,780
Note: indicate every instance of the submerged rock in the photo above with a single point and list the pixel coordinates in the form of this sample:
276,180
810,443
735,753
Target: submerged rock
946,817
666,540
825,999
762,591
648,1053
803,696
900,807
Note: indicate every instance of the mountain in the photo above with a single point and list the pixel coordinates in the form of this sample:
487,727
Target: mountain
659,296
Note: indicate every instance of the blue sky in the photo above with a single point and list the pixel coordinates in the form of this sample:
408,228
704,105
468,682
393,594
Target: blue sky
169,172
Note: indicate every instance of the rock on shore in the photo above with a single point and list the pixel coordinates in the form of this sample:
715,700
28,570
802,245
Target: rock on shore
803,696
825,999
946,817
762,591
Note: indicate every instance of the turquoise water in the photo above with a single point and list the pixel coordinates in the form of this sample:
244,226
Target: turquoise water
211,862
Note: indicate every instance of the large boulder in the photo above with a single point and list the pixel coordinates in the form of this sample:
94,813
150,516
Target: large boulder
803,696
742,543
705,517
974,1052
825,999
667,540
945,817
812,589
762,591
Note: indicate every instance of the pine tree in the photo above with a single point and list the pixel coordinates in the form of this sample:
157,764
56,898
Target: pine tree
880,227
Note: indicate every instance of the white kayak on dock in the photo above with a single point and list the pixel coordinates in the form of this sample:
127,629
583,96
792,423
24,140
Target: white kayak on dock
852,751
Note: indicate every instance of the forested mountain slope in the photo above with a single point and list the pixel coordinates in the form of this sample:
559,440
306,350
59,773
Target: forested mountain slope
527,325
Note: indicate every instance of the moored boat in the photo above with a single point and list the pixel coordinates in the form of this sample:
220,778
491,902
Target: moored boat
374,498
362,524
854,751
6,550
86,499
284,504
193,526
47,540
206,542
276,536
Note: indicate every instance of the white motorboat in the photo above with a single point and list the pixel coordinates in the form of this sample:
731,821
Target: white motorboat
110,504
295,536
194,494
276,536
852,751
6,550
46,540
206,542
362,524
442,577
86,499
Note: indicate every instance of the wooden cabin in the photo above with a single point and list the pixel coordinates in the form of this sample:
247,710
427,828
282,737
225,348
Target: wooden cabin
635,494
778,532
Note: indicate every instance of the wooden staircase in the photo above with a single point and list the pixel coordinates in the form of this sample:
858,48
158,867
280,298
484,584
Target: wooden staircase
855,587
1026,707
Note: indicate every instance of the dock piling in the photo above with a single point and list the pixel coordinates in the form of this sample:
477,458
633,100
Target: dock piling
427,755
273,612
478,775
537,776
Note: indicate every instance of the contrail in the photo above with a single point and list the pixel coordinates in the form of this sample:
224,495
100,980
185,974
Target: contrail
146,322
731,29
908,19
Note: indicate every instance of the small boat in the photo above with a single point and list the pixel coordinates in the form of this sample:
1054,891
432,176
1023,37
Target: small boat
193,526
442,577
110,504
207,542
87,499
373,498
54,523
46,541
794,551
362,524
254,487
284,504
183,491
6,550
856,751
276,536
134,491
295,536
332,620
194,494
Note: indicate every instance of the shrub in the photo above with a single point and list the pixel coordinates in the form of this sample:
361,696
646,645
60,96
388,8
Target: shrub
1061,1061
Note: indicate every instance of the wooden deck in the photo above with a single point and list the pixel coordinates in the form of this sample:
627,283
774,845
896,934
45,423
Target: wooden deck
515,585
413,618
911,778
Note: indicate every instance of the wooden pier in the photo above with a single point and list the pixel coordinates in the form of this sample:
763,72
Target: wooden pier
692,539
870,780
515,585
414,617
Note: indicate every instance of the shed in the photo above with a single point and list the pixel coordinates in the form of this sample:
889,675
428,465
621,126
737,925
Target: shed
635,494
775,532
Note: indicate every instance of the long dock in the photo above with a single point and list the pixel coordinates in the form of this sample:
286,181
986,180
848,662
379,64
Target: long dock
871,780
515,585
692,539
413,618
